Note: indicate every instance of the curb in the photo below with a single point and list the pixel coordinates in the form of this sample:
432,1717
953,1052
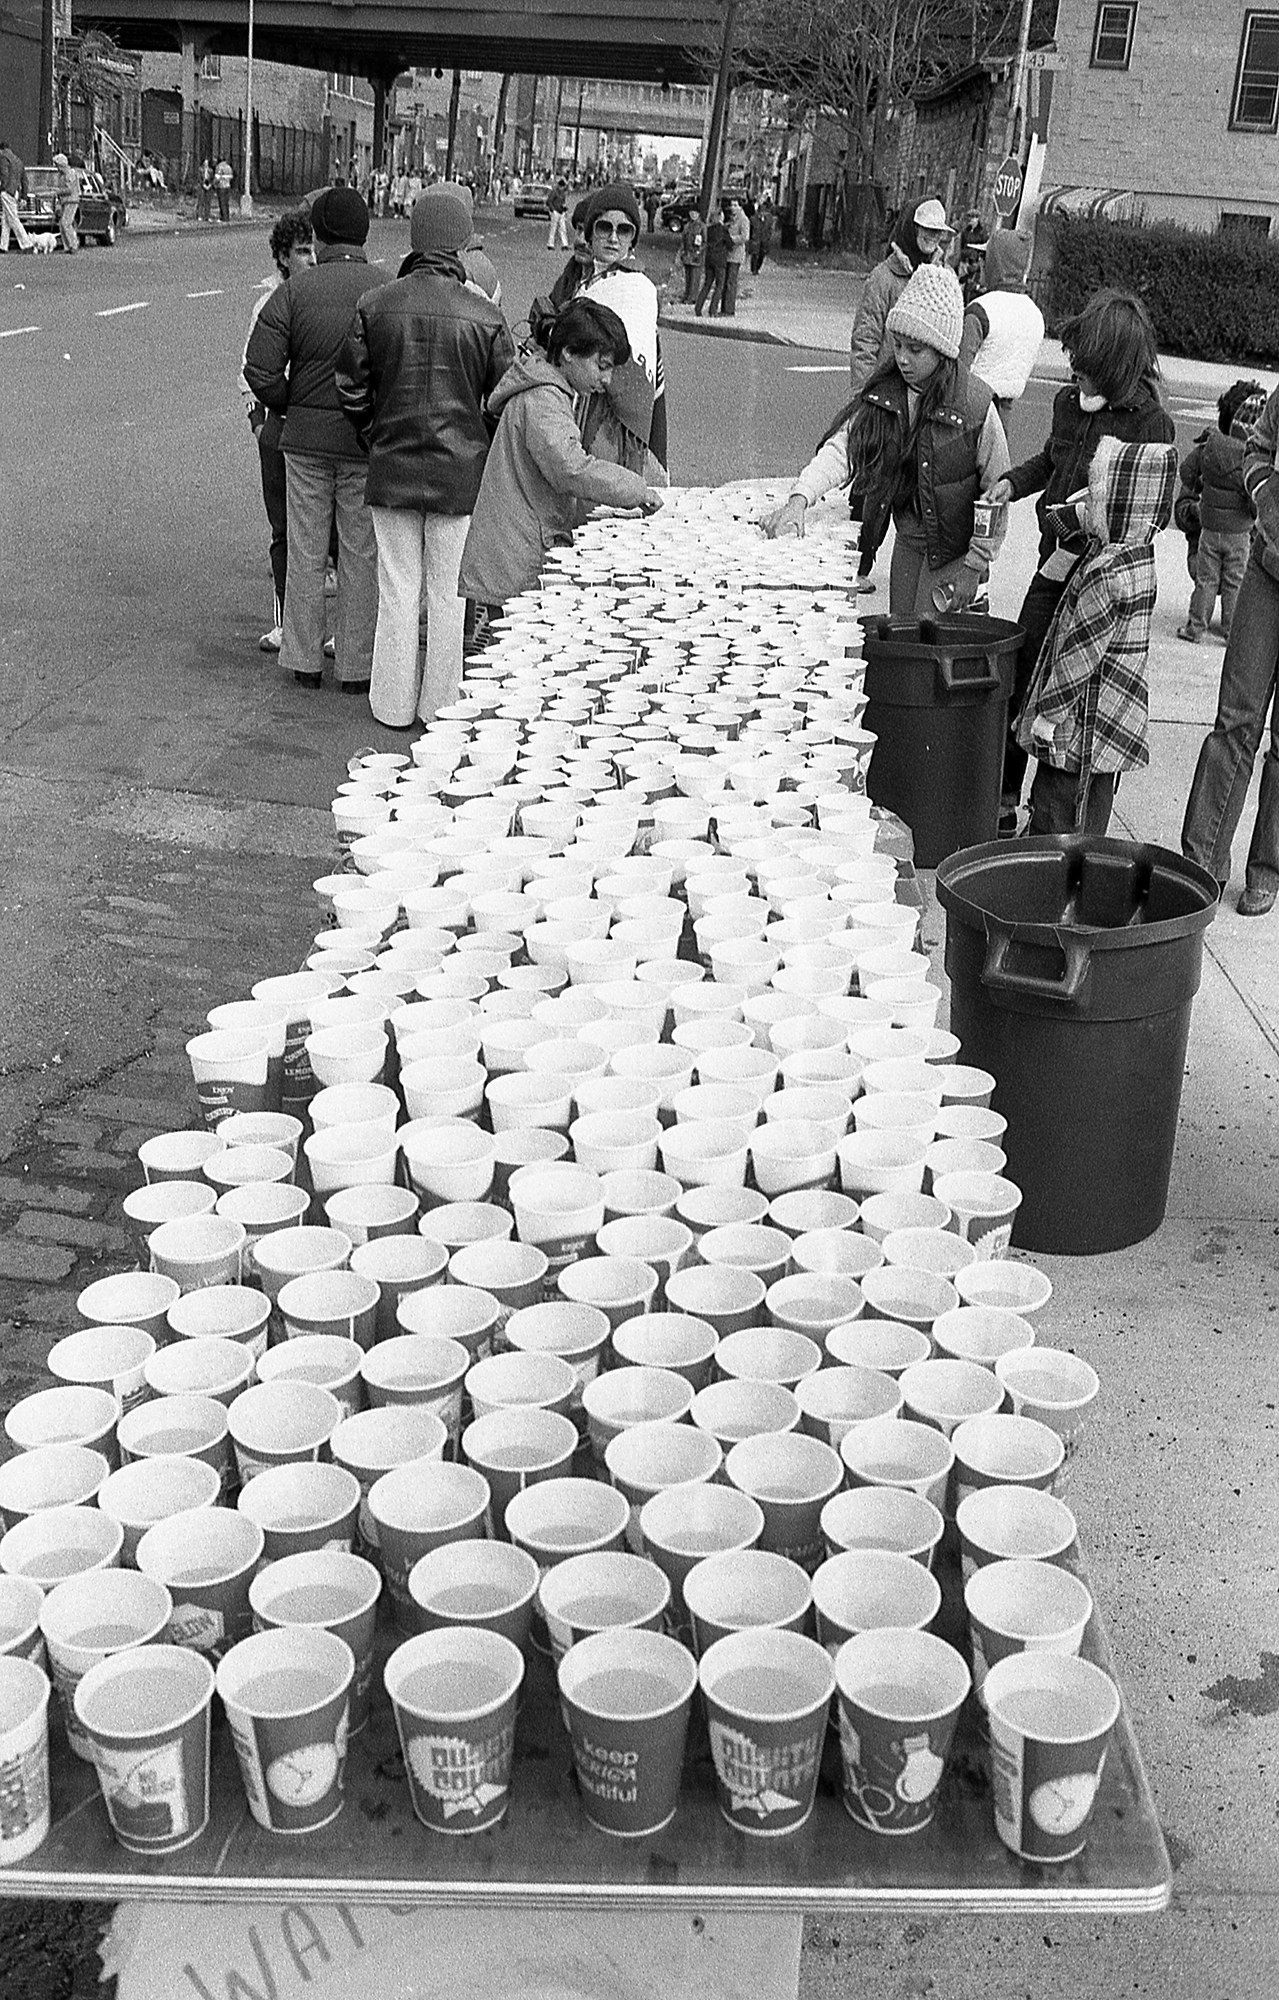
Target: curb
719,331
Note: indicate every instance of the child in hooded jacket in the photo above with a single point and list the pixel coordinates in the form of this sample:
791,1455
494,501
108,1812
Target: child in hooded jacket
1085,713
1212,477
1114,392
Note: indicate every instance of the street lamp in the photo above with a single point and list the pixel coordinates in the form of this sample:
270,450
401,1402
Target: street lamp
246,194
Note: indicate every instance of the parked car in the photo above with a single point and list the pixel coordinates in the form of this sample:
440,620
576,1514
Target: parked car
677,208
101,214
534,198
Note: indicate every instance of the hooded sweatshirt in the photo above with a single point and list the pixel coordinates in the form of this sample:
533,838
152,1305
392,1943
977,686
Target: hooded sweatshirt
1090,680
538,484
1003,329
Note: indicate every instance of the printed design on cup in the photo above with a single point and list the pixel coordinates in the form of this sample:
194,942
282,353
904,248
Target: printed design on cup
757,1776
300,1777
65,1684
886,1785
992,1243
1057,1807
145,1791
605,1773
24,1791
220,1096
199,1626
464,1778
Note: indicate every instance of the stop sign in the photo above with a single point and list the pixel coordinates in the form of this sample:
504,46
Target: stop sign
1008,187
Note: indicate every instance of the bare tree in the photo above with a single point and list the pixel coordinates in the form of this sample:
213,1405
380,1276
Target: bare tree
855,62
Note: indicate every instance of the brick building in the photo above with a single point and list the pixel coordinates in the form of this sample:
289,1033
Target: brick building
312,125
1172,102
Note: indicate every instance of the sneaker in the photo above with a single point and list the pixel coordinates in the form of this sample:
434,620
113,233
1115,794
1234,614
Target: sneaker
271,641
1257,902
330,649
330,583
1190,634
1010,819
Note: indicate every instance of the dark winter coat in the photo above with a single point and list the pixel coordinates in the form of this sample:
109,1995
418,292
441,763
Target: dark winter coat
293,350
1213,469
948,471
419,362
1061,468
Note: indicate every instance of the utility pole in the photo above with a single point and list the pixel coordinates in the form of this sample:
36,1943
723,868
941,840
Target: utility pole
719,112
455,96
246,192
577,130
1013,135
532,127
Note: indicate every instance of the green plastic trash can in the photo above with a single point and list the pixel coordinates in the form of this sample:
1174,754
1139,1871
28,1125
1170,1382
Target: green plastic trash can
937,693
1073,964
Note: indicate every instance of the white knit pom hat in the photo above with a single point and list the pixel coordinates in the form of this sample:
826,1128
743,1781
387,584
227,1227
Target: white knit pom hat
931,309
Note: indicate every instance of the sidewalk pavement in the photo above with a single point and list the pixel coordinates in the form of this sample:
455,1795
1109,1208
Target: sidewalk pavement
813,306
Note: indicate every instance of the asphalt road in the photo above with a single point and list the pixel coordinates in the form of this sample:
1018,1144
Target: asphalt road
135,579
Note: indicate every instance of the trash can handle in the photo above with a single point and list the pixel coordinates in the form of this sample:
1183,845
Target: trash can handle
985,682
997,973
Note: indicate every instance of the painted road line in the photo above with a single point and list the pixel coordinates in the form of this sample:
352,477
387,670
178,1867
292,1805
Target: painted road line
813,368
110,312
10,332
204,295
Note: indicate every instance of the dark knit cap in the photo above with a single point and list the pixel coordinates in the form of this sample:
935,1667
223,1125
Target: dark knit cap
443,218
618,196
340,216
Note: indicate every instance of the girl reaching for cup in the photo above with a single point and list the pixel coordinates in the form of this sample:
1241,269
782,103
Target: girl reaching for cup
918,446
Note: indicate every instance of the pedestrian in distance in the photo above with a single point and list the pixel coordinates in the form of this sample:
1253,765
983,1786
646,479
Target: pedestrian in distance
1249,688
1212,478
558,203
692,249
917,446
1085,715
68,192
921,237
1003,327
291,367
292,251
763,225
422,356
204,192
739,231
577,272
652,203
223,176
715,267
1113,392
539,480
12,183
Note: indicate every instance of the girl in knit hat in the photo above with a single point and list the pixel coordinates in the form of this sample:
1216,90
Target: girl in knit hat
918,446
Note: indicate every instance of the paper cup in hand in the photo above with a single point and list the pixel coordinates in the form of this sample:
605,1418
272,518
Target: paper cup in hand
24,1759
1051,1718
767,1697
286,1693
145,1712
626,1697
900,1694
454,1693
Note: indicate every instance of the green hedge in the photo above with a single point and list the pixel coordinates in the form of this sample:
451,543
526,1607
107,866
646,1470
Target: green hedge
1212,298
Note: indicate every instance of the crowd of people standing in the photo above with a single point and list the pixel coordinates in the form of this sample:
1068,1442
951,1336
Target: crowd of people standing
404,444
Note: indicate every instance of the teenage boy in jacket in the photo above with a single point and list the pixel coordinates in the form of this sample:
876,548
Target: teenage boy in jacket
289,366
422,358
1212,477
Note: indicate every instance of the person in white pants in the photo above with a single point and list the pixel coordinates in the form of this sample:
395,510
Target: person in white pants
559,216
11,172
422,357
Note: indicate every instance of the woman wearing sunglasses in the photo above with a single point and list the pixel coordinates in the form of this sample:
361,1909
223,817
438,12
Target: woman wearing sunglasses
627,421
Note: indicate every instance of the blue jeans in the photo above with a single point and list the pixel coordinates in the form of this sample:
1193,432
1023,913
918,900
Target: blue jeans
1248,688
1219,570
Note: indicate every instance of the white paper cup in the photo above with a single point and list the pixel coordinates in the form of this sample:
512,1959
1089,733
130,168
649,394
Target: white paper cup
889,1346
230,1071
894,1451
1006,1285
176,1156
305,1505
984,1208
66,1415
24,1756
835,1399
343,1156
154,1489
281,1423
61,1542
1020,1606
883,1517
21,1602
292,1753
329,1360
113,1358
188,1426
871,1161
978,1333
341,1302
1055,1388
872,1590
222,1312
53,1475
200,1250
377,1441
900,1292
165,1201
131,1298
744,1590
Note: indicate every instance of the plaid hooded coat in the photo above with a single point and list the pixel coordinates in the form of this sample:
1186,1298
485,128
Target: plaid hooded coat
1090,679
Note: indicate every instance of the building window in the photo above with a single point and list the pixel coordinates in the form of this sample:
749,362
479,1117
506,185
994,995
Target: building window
1112,37
211,68
1234,223
1256,105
